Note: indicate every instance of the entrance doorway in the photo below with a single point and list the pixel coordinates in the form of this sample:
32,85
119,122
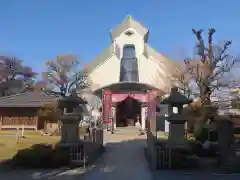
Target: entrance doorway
127,112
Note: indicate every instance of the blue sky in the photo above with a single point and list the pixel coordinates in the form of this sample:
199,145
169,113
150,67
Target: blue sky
38,30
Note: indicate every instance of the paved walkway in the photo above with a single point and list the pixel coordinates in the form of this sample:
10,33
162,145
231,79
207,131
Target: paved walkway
124,158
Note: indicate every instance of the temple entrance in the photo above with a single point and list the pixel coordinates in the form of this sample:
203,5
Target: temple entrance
127,112
123,108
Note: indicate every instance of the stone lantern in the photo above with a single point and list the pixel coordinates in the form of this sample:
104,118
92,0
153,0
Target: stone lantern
176,119
176,99
71,118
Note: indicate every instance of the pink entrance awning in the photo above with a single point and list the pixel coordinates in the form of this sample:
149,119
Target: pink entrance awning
121,97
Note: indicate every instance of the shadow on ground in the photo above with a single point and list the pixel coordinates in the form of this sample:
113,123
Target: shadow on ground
123,159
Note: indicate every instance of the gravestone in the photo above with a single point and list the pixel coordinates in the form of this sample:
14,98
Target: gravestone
226,144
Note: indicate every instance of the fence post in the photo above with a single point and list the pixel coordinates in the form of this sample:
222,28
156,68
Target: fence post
1,123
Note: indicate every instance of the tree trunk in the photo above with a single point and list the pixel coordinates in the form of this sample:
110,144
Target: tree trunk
205,110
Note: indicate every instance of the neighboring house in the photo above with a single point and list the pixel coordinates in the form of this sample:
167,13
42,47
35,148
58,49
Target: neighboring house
24,110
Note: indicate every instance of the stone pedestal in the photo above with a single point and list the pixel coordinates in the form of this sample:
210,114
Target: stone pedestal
99,136
227,149
176,134
70,129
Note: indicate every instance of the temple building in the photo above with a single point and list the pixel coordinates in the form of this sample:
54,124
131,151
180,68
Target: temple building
124,73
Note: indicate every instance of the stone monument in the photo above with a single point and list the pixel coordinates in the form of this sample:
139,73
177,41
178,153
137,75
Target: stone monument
226,144
176,119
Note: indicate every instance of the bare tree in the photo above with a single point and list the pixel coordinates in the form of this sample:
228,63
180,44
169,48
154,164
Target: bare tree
209,71
176,75
14,76
63,75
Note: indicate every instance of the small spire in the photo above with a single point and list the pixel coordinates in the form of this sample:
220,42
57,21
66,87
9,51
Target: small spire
129,17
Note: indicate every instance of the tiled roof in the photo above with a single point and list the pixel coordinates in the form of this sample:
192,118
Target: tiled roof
27,99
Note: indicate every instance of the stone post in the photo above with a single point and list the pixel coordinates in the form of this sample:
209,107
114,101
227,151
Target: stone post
227,148
177,132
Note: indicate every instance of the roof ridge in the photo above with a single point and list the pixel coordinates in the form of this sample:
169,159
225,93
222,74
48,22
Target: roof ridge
15,95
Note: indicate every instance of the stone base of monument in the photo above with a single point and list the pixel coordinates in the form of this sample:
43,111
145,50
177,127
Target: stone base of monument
91,148
81,152
226,144
176,139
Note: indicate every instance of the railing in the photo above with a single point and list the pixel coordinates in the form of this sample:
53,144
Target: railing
18,123
19,120
77,155
163,157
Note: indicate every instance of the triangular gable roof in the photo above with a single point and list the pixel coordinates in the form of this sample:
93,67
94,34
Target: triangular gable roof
27,99
100,59
172,65
128,23
108,52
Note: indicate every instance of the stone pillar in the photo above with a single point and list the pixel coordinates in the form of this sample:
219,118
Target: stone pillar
177,134
143,117
99,136
227,149
70,129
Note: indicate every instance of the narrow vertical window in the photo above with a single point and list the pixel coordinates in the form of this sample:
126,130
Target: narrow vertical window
129,65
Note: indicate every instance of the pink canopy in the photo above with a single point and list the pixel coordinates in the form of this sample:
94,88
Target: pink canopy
122,96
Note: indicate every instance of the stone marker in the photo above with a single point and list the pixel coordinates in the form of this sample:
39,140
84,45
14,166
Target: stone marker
226,144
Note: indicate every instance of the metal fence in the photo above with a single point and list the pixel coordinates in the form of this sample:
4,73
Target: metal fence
163,157
77,155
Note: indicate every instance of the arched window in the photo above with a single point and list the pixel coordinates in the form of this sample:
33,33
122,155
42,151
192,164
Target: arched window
129,65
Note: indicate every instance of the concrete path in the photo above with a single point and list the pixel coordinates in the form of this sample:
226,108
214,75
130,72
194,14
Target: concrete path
124,158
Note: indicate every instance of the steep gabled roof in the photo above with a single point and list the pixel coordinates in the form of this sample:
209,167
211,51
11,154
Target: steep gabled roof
101,58
27,99
170,64
128,23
